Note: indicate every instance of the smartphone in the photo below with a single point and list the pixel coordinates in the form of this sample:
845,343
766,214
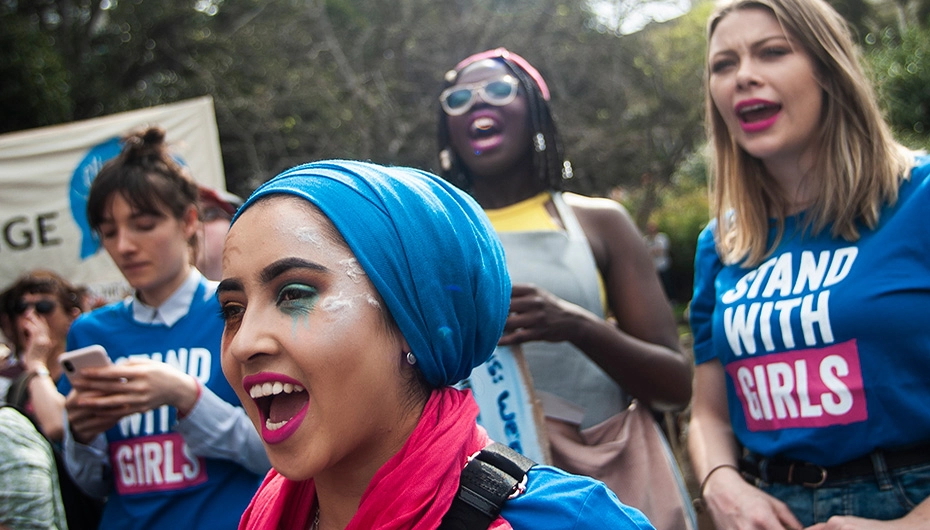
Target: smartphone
91,356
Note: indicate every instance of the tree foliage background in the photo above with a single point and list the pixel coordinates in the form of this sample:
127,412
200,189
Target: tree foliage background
295,80
298,80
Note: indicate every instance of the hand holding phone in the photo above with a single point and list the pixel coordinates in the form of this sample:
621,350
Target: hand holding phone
92,356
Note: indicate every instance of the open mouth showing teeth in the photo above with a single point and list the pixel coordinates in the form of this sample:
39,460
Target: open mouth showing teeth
484,127
278,402
759,112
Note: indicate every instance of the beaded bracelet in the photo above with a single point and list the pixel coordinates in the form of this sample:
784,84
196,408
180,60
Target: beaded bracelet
699,504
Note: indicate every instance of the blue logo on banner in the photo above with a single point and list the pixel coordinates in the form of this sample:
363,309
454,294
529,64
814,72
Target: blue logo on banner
83,175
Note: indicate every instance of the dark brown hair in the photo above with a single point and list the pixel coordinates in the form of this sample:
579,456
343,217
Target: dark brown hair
41,281
147,176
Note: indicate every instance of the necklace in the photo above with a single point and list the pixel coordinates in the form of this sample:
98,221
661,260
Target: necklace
315,525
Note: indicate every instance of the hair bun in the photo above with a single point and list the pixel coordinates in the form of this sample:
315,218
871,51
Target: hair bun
145,144
153,135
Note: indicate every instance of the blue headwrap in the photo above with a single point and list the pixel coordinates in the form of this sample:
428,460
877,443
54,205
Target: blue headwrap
427,247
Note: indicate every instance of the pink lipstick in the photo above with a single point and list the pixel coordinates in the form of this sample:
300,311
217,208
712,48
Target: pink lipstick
282,404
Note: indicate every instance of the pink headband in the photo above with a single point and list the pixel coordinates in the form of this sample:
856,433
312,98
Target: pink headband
503,53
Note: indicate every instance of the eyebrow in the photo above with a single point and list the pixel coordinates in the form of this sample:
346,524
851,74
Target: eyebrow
757,44
281,266
229,284
271,272
134,215
765,40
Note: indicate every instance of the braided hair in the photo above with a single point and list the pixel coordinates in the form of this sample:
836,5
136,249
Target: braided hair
549,164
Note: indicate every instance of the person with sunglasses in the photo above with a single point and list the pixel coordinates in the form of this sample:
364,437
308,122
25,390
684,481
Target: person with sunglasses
40,307
586,306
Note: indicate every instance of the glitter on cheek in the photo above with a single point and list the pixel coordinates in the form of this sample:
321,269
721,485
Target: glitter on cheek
353,270
337,302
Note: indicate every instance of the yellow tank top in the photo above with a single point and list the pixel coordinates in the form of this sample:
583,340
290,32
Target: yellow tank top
530,215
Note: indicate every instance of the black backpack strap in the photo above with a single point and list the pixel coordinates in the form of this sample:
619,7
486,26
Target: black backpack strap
497,473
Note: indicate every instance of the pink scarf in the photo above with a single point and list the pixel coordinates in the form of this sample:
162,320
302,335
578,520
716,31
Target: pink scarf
413,489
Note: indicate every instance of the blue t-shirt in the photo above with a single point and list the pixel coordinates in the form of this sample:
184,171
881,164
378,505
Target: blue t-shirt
157,481
557,500
826,344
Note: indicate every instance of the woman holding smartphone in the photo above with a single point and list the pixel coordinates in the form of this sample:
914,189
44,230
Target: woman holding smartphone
163,423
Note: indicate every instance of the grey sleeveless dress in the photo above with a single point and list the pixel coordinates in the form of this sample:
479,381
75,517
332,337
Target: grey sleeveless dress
563,264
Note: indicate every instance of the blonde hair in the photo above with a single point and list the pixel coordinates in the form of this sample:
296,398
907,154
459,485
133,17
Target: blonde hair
859,165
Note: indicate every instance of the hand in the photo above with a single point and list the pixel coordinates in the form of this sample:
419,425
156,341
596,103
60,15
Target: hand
87,422
736,505
37,341
133,386
537,314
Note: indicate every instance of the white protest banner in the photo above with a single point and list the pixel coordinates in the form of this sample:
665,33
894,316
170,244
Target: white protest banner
510,412
45,175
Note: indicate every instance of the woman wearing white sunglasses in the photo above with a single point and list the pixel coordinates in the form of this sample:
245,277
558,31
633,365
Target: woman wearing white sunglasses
587,306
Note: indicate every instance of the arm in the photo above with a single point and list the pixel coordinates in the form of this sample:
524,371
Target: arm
102,396
210,426
640,351
651,364
38,352
138,385
732,502
217,429
47,403
85,448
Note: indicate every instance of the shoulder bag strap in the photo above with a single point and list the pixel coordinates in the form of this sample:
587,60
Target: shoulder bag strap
497,473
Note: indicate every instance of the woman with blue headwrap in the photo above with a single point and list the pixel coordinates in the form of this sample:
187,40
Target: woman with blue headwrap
354,295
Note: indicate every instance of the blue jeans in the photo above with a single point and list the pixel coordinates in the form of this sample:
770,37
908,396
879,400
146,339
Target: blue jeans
884,496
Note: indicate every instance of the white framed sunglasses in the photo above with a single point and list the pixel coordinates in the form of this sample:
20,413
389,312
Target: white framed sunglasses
459,99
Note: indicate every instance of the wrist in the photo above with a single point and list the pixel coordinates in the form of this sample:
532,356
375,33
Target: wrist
80,437
700,504
189,398
40,370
